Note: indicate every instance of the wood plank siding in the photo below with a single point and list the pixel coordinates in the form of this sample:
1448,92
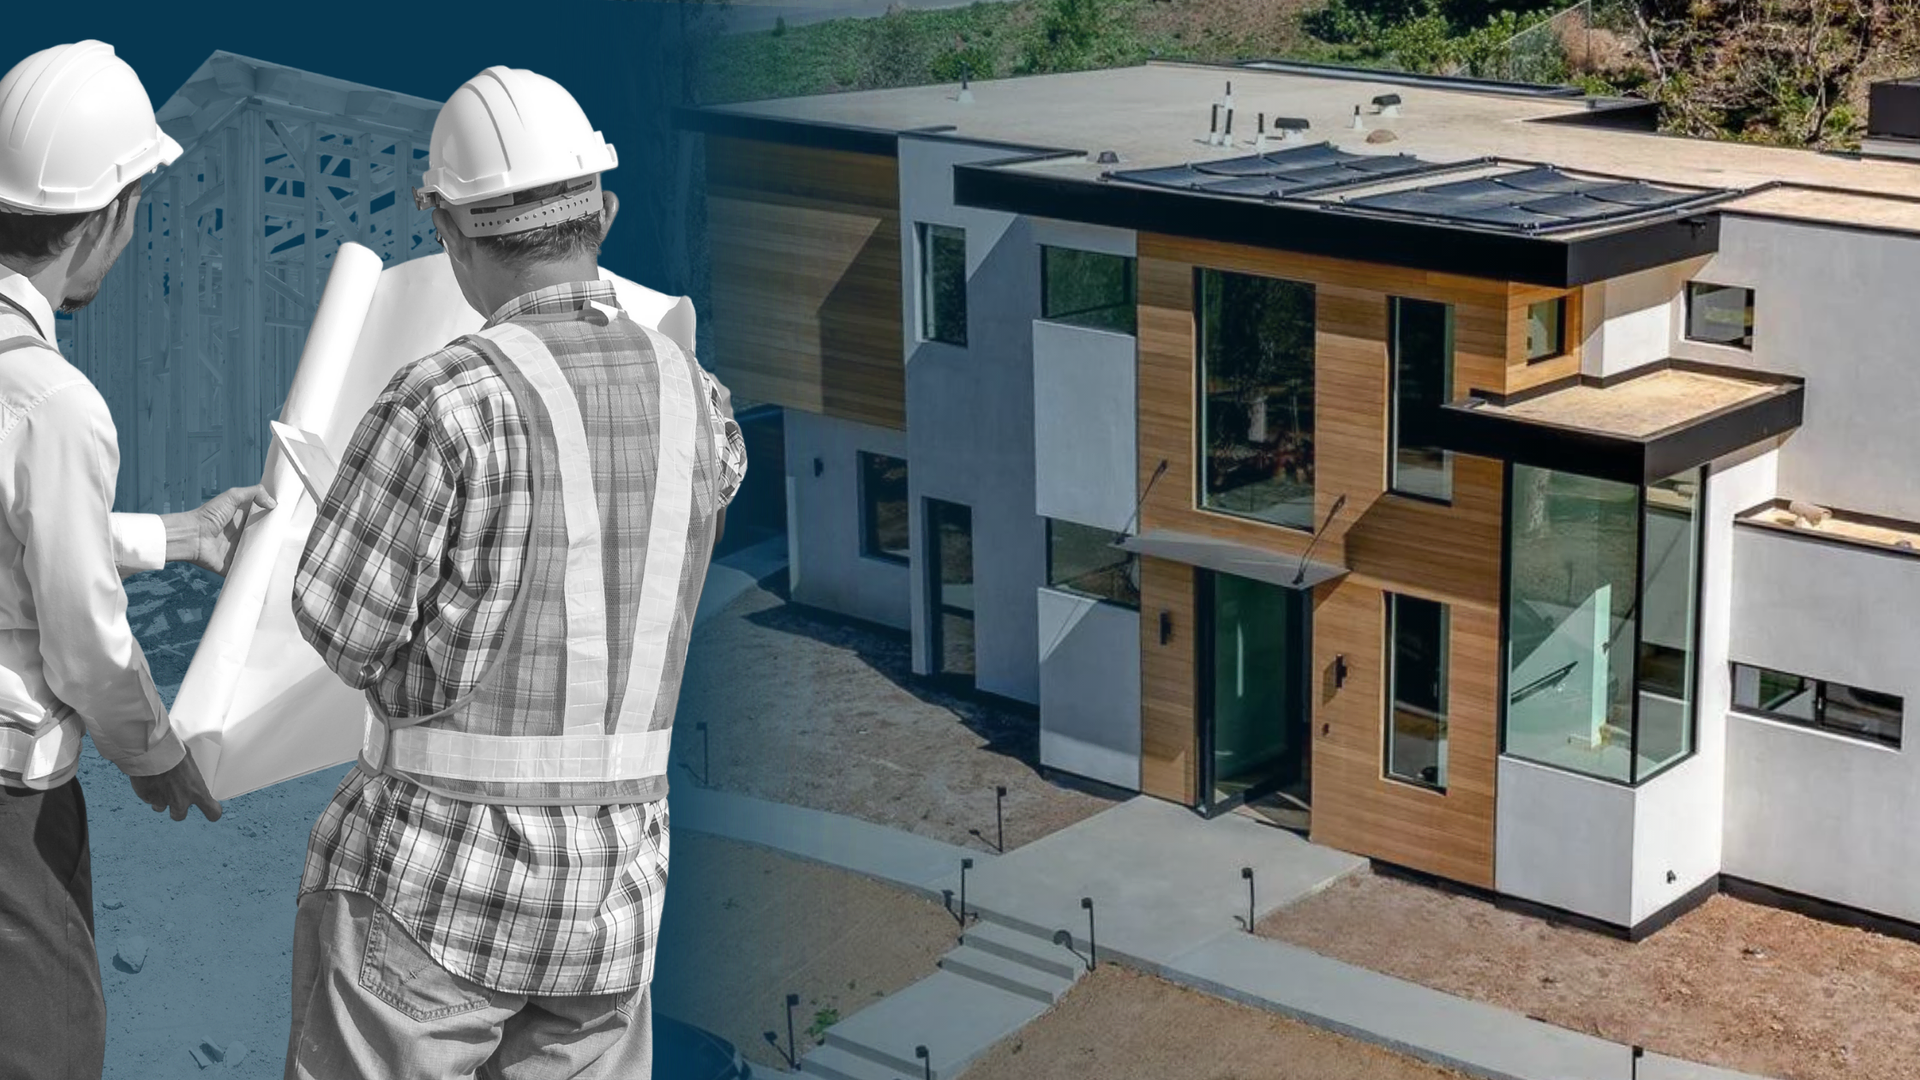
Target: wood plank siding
1449,553
806,278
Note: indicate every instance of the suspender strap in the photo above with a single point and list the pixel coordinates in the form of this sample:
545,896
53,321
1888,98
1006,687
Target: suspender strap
23,341
666,534
585,585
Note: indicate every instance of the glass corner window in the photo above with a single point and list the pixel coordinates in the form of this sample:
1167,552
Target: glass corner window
1416,741
1256,397
1087,288
943,284
1720,314
1082,560
1546,329
883,508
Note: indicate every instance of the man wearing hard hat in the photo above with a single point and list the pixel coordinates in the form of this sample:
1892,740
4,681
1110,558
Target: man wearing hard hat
508,563
79,133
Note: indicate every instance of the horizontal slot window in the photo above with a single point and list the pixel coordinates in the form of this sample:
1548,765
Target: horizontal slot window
1818,703
1083,560
1087,288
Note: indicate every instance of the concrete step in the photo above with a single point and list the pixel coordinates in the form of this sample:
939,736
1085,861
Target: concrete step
955,1017
1038,953
1010,975
833,1063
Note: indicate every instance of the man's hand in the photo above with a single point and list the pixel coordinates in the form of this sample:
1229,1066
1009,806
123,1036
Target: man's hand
207,536
177,789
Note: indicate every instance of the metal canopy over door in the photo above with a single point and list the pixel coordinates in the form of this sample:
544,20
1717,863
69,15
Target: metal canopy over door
1255,659
950,588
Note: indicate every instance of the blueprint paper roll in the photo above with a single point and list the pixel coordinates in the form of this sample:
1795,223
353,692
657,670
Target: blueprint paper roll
257,705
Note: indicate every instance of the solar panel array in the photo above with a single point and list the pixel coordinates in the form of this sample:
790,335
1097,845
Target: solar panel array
1531,198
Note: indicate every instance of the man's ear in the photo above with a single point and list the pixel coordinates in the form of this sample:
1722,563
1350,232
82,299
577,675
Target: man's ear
609,211
450,237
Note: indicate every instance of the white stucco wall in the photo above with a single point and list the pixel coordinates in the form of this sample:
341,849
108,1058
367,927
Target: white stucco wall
970,418
825,566
1083,400
1631,321
1564,840
1808,811
1089,688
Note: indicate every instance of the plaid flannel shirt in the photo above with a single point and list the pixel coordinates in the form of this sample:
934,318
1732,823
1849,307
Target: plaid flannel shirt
405,585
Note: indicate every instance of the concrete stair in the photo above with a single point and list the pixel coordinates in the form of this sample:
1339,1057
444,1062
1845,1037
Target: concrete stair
996,982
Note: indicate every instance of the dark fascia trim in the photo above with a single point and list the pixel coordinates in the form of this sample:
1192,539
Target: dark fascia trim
1324,229
811,134
1814,907
1680,905
1466,428
1746,519
1398,78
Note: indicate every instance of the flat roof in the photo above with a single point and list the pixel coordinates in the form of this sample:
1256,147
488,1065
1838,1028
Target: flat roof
1842,525
1637,408
1159,114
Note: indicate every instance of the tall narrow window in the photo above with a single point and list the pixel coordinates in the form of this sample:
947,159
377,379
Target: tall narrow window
1256,397
943,284
1422,346
883,508
1720,314
1417,700
1087,288
1546,329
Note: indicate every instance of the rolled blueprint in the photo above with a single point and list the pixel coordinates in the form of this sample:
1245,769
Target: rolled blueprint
257,706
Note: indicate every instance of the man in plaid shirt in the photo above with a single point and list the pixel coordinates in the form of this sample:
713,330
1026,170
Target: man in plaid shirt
508,562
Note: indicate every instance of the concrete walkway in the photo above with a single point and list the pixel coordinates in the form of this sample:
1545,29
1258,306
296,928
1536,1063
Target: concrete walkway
1169,900
733,574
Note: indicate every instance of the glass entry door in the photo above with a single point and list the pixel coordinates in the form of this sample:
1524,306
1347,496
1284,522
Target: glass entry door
1255,655
950,587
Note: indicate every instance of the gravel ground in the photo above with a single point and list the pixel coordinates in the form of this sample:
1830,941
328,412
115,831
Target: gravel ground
744,927
1122,1025
811,710
1731,983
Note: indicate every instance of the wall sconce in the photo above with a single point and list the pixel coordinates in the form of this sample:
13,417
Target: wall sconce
819,466
1166,626
1339,671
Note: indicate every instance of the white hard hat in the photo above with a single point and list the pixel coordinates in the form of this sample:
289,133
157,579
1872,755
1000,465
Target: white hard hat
76,127
508,130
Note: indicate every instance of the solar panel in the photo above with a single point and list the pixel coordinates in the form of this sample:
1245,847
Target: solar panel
1251,165
1264,186
1175,176
1546,180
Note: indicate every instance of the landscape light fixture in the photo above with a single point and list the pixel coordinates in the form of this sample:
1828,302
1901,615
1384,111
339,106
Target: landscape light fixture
819,466
1246,872
926,1058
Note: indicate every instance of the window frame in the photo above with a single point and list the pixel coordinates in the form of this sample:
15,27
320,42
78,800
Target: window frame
870,547
1560,331
1066,318
923,247
1745,344
1202,500
1390,611
1131,558
1393,400
1818,722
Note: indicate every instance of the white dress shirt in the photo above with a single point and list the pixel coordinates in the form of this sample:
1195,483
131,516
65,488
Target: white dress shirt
68,660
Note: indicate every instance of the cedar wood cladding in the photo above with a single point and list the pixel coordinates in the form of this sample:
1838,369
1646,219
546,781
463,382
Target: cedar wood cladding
1390,543
806,278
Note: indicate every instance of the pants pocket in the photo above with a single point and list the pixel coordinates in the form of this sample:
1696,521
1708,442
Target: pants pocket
399,972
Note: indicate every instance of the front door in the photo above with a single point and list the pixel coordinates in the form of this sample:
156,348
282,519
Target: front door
950,587
1255,658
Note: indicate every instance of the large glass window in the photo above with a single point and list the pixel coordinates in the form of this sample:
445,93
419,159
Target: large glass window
1601,622
1083,560
1422,346
1256,397
1720,314
1087,288
943,284
1417,690
883,507
1819,703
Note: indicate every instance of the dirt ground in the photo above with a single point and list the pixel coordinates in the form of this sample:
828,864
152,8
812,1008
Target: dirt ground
808,709
744,927
1731,983
1122,1025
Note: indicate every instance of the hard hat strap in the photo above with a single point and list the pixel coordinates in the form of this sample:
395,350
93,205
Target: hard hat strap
502,216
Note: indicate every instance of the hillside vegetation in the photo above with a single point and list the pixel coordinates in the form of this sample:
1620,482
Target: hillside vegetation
1780,71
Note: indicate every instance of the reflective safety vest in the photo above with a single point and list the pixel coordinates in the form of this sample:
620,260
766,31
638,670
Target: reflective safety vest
539,727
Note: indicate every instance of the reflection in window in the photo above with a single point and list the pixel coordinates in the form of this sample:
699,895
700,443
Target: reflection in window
883,507
1546,329
1087,288
1818,703
1720,314
1083,560
1417,690
1256,397
1601,622
1422,346
943,284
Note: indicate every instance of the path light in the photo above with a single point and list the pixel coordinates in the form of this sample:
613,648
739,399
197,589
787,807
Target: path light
1093,951
925,1058
793,1053
1246,872
966,864
1638,1053
999,819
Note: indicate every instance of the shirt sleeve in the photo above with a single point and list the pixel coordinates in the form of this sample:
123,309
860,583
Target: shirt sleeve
382,521
726,436
58,471
139,542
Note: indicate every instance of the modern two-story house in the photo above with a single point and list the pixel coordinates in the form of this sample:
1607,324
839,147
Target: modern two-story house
1520,496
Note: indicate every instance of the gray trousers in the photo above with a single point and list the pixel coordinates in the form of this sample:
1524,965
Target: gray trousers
370,1004
53,1021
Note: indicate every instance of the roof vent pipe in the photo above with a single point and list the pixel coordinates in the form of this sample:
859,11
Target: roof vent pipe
1213,126
1358,124
1388,104
1292,129
1228,100
1260,139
